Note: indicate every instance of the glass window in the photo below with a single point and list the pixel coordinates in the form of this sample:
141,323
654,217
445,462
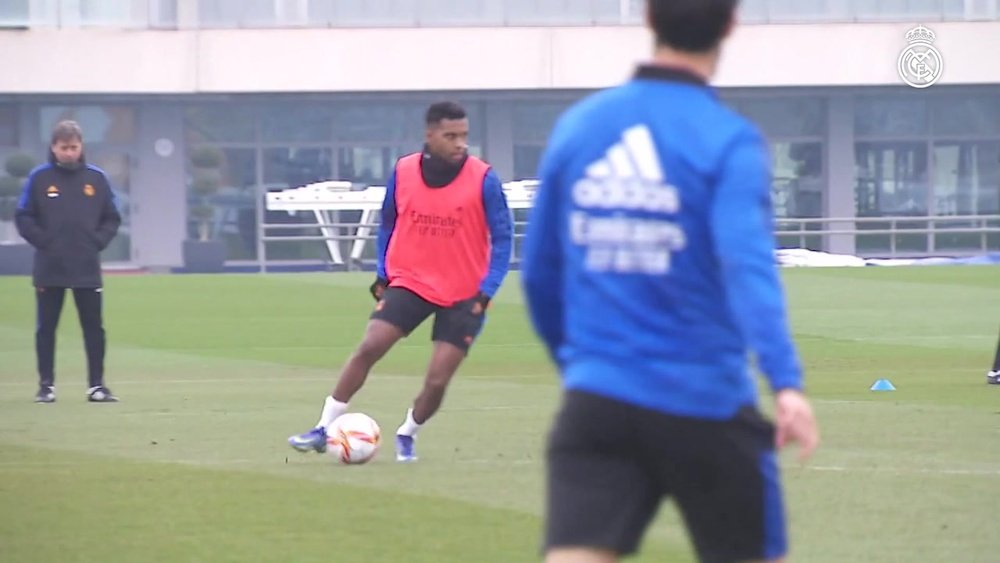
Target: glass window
636,12
237,13
786,117
526,160
615,11
965,115
105,12
534,12
891,178
753,11
900,115
379,122
368,165
294,167
163,13
798,10
220,122
296,122
8,126
395,124
902,10
100,124
232,215
454,12
15,13
364,12
953,9
117,164
797,188
533,121
967,178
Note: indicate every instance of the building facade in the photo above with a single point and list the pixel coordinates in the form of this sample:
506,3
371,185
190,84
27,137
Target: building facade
294,91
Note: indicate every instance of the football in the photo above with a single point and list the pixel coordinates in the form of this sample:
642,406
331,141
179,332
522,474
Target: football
353,438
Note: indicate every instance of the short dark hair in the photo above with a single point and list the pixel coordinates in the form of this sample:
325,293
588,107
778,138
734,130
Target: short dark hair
443,110
67,131
693,26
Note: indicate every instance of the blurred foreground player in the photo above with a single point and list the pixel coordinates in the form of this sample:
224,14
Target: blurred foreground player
649,274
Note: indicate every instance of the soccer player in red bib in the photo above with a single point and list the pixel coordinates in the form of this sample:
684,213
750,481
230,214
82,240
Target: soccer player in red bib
443,249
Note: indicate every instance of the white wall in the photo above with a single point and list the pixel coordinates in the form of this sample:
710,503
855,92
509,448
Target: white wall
125,61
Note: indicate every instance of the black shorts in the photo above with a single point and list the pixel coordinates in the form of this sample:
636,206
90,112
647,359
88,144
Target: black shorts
610,464
406,310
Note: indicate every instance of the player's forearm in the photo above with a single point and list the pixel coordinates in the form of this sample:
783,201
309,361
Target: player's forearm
381,245
501,228
387,222
500,250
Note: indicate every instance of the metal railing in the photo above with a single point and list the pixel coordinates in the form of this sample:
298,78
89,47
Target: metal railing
895,236
869,237
215,14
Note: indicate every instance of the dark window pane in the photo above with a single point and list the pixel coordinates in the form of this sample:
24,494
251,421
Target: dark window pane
526,160
798,182
967,178
533,121
295,167
117,164
219,122
891,178
100,124
380,122
289,123
8,126
15,12
368,165
890,116
786,117
230,213
962,115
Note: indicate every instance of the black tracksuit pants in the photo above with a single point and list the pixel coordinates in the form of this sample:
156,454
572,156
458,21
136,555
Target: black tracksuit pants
49,307
996,358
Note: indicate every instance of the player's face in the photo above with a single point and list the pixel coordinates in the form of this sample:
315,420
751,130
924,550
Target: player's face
449,139
67,152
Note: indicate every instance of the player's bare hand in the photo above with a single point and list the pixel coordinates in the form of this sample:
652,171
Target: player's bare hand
796,422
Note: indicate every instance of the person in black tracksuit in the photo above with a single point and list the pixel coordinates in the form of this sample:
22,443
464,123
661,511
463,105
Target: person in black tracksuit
67,212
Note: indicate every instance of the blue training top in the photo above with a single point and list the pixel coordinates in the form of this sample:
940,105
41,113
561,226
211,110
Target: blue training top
648,264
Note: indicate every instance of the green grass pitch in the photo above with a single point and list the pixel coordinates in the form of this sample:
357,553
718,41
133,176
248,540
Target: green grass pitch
215,372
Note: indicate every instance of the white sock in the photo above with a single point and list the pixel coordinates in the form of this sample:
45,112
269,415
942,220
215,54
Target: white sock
409,426
332,409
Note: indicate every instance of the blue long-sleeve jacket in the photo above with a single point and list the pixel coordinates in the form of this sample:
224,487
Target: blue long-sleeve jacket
648,264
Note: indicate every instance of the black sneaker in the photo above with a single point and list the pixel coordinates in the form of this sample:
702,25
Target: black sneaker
46,394
993,377
101,394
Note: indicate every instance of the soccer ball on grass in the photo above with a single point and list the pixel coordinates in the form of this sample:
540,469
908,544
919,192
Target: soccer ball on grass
353,438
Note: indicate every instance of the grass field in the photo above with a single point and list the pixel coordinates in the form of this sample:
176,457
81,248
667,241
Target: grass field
215,372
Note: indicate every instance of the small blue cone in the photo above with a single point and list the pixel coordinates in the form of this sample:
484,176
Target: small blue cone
883,385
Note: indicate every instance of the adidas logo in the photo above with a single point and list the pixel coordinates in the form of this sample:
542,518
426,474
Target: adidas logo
628,177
